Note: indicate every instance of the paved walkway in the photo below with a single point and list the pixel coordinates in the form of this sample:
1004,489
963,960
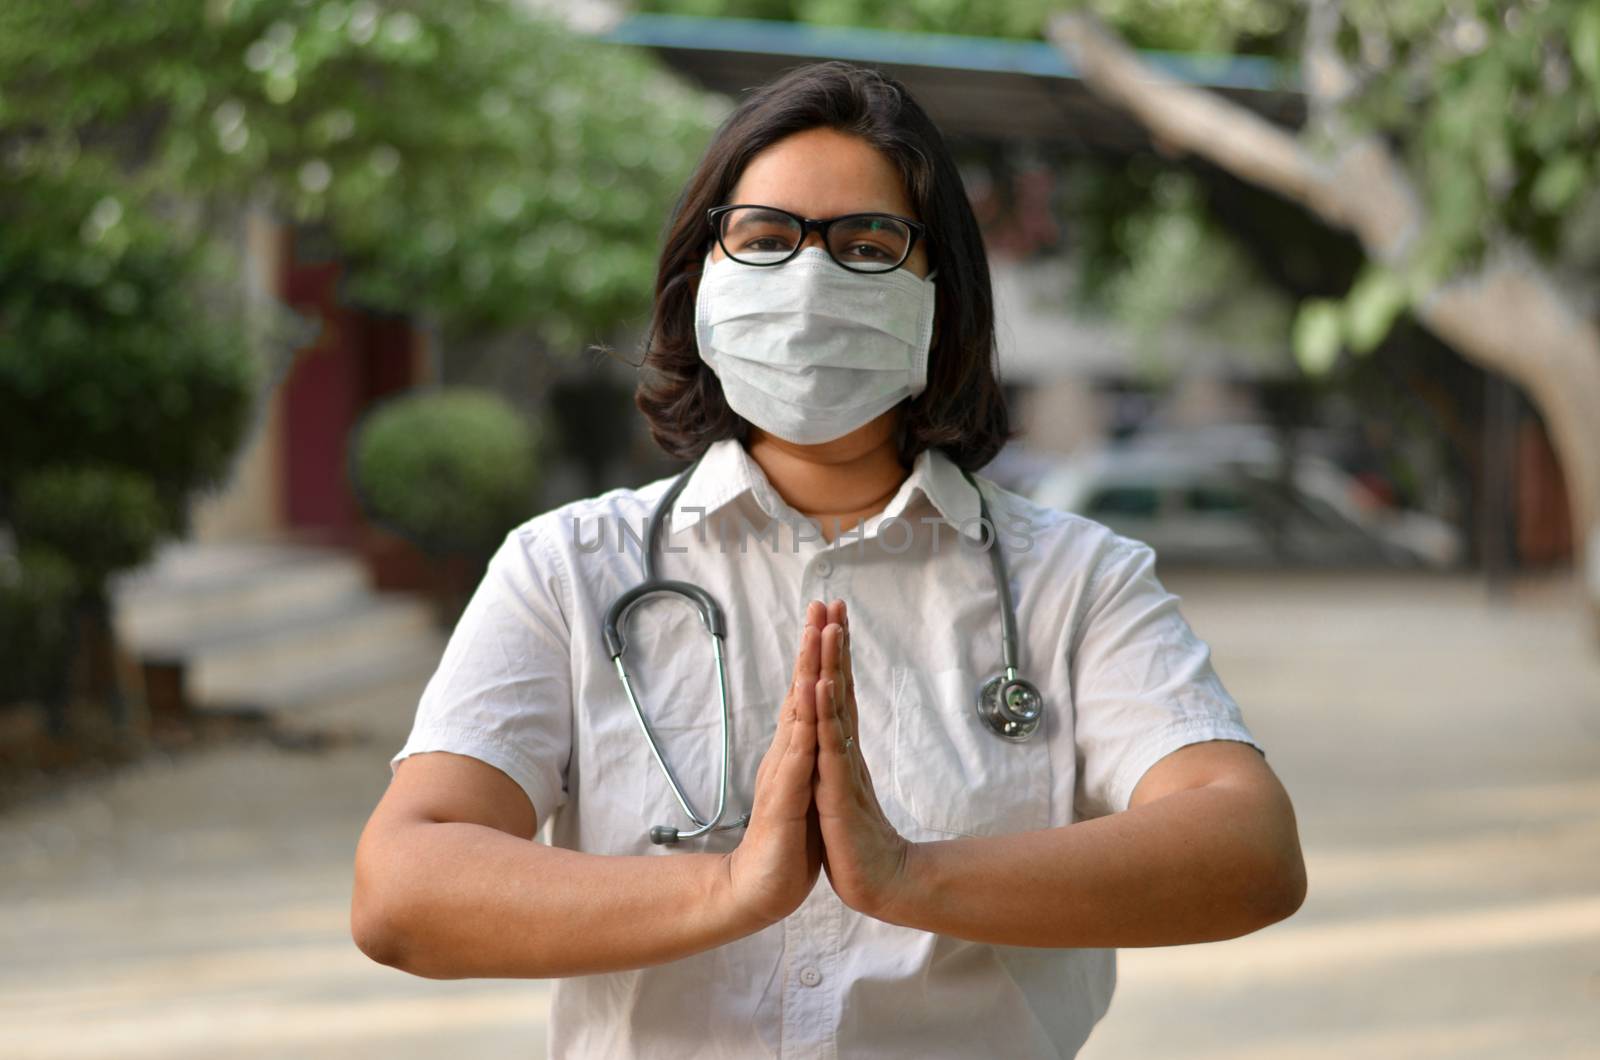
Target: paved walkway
1444,757
1444,760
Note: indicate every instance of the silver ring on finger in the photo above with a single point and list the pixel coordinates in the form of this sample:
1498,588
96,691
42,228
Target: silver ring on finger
849,742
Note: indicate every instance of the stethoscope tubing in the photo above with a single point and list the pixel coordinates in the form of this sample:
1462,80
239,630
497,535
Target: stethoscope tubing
614,630
703,824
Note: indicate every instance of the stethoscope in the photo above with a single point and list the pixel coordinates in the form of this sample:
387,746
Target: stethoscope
1008,704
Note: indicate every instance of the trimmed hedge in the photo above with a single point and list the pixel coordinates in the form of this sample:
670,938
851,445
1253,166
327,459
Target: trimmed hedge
452,470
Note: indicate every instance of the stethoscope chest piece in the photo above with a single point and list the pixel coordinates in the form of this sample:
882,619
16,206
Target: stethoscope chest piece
1010,706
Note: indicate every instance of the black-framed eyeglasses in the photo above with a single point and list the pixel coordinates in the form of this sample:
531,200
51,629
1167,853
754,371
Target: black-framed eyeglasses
860,242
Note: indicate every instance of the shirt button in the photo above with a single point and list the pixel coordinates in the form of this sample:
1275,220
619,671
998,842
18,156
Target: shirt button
810,976
823,567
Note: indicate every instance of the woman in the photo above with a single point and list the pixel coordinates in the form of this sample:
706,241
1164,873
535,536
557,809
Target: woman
834,378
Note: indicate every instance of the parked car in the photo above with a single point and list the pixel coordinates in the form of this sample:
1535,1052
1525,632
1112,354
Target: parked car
1220,497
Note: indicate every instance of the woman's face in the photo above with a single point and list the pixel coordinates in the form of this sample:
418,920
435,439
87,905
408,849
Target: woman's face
826,173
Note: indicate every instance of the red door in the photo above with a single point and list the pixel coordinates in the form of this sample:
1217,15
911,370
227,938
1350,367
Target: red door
358,358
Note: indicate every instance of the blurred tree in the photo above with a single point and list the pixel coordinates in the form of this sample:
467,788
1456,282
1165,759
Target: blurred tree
1458,142
125,385
469,158
117,346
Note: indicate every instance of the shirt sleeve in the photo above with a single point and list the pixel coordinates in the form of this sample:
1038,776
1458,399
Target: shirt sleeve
1143,682
503,690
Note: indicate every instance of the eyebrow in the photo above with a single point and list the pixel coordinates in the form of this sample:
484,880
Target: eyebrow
756,214
759,215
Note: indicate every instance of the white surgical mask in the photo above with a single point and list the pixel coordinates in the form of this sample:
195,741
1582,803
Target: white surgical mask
808,350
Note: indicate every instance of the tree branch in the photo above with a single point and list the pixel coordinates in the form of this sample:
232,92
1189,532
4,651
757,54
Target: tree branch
1509,316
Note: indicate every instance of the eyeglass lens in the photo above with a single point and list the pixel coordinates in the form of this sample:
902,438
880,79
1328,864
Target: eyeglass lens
868,243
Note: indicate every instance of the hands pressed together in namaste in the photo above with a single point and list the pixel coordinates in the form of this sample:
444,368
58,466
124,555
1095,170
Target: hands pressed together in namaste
814,807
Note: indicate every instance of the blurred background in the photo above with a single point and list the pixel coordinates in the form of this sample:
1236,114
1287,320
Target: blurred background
305,304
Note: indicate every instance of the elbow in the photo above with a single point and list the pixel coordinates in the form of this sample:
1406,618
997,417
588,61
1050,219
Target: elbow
1279,887
377,920
385,932
377,932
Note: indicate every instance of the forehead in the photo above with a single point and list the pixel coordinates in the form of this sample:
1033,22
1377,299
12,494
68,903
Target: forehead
823,173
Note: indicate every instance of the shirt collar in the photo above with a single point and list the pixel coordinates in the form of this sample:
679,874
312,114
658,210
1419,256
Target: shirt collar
935,477
726,472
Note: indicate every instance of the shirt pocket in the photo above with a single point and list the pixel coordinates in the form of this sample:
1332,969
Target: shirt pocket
952,775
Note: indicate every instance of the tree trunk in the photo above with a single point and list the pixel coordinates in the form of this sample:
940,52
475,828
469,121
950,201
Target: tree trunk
1508,317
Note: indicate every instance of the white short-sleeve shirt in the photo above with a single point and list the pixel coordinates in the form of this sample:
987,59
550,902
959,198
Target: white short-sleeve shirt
527,685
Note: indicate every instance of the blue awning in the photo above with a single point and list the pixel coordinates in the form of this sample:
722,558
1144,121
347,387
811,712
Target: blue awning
979,88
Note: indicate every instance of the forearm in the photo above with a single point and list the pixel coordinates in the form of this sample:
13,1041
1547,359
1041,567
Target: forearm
456,900
1198,865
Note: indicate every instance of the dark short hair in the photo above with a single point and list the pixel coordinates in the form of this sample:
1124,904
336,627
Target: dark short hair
962,410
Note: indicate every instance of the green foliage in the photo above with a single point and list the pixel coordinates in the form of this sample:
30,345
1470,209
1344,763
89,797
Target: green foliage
467,157
103,519
1374,303
124,383
453,470
1318,333
111,352
1196,25
36,595
1496,108
1153,258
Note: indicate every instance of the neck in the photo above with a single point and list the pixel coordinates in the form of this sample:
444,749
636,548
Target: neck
837,483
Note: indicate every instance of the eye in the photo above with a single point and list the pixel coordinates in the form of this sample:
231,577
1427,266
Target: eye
757,235
774,242
874,240
866,250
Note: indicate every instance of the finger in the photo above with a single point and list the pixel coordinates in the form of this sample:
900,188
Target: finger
838,616
816,614
802,689
830,733
831,636
837,786
847,670
849,717
805,659
847,665
807,628
805,662
809,664
792,774
832,668
835,740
